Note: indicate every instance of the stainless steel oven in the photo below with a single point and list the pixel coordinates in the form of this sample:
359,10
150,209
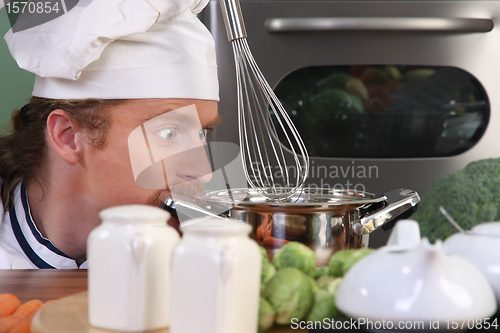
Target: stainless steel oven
386,94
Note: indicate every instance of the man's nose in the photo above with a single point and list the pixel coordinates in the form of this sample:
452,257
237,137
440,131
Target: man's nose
195,167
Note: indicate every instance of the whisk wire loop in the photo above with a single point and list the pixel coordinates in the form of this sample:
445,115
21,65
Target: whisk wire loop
264,121
258,123
267,95
275,104
260,117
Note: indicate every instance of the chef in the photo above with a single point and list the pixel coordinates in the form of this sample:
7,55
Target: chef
103,70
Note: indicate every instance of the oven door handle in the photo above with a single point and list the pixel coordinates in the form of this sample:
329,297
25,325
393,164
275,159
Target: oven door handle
397,24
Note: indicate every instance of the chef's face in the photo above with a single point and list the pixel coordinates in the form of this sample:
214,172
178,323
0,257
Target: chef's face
152,146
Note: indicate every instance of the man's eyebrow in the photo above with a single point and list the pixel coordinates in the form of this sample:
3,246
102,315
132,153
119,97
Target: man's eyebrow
213,123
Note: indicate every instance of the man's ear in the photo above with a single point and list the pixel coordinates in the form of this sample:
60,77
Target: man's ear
64,136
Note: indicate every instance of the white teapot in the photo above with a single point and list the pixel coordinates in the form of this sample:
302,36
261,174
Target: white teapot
481,246
411,280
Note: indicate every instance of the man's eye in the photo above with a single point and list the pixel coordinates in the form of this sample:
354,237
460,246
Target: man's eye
167,133
203,134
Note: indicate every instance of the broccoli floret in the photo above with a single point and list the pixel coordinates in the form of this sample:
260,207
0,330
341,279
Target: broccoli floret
470,196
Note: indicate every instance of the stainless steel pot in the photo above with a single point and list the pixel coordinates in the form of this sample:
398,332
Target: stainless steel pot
324,220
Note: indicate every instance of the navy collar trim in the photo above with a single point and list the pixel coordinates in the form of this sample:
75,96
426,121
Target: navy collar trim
45,242
28,251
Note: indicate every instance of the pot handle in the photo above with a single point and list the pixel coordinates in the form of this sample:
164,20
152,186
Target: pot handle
192,210
398,202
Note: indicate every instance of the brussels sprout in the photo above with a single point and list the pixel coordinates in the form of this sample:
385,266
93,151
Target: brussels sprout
419,74
324,281
342,261
312,282
333,286
290,294
357,88
320,271
268,271
296,255
263,253
266,315
336,101
374,76
335,80
356,256
323,307
394,73
337,261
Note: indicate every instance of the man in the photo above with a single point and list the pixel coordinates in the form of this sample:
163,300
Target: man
103,70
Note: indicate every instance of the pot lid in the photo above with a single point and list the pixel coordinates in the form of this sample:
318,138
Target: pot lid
491,229
305,197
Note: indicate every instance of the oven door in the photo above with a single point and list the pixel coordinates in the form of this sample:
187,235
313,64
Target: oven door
447,121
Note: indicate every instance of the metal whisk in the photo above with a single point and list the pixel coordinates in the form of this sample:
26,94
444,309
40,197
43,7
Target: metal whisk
269,171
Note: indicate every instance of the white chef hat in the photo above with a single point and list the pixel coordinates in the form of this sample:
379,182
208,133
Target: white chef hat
120,49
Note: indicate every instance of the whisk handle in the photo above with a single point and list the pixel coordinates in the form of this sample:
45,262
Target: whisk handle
233,19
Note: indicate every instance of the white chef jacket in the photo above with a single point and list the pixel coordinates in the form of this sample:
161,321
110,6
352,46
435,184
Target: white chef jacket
21,243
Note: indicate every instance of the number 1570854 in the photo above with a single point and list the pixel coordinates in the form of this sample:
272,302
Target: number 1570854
41,7
485,324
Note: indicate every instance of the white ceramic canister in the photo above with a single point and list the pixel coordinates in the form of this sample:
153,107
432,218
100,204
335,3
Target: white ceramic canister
215,278
129,269
481,246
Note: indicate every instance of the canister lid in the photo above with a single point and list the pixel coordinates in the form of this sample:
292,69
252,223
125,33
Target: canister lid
134,214
215,226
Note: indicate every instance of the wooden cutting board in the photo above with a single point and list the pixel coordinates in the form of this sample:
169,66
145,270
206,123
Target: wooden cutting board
70,315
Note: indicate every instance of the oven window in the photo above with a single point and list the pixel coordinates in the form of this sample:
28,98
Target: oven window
385,111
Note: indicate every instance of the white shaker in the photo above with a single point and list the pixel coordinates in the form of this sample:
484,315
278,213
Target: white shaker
129,269
215,278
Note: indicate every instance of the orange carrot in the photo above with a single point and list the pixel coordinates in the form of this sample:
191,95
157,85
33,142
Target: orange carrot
275,242
22,312
269,230
260,231
8,304
24,325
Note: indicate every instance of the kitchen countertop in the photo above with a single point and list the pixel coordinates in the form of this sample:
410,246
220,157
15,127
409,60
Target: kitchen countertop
53,284
48,284
42,284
